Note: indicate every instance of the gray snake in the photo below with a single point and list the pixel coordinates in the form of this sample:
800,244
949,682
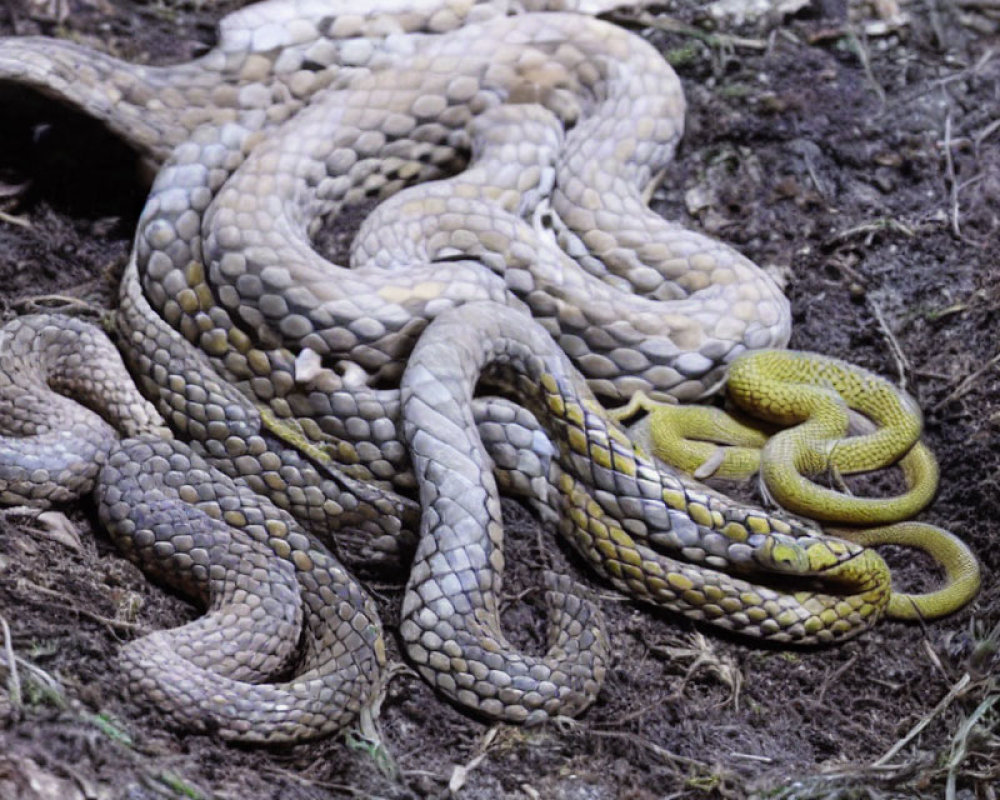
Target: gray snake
281,369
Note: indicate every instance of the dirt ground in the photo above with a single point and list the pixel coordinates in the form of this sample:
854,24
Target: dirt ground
858,155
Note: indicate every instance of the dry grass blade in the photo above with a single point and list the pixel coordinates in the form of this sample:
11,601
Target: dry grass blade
961,742
35,678
703,656
968,383
10,663
948,699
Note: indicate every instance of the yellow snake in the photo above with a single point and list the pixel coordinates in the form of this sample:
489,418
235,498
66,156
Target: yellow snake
809,398
280,368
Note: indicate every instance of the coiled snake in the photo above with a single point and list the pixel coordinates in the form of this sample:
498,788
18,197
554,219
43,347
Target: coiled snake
285,374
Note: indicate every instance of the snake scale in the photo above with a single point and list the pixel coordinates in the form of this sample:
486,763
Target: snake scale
515,251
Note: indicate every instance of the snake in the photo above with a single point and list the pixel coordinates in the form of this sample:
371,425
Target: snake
515,147
791,416
811,399
73,422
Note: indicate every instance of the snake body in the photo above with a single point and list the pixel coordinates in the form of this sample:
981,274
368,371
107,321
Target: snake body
622,514
809,399
197,530
283,370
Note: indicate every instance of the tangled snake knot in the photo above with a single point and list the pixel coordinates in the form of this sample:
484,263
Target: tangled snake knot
513,252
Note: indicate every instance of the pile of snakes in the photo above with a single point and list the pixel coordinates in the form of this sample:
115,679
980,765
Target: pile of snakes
511,280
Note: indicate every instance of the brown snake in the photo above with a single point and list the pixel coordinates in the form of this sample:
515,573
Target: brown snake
282,369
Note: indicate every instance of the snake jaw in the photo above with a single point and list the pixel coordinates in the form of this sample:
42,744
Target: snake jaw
852,568
827,554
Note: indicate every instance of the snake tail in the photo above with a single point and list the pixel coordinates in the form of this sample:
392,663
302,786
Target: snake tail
960,566
809,398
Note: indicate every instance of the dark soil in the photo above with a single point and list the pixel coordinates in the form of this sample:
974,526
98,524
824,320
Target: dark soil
859,159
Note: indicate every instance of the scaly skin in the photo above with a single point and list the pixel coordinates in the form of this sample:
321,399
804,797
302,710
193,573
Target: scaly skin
696,303
617,510
281,367
803,399
276,600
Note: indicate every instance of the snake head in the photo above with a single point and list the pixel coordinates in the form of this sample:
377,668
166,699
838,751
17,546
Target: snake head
804,556
782,554
841,565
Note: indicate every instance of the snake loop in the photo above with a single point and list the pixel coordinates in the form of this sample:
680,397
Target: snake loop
625,516
798,405
282,369
276,600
